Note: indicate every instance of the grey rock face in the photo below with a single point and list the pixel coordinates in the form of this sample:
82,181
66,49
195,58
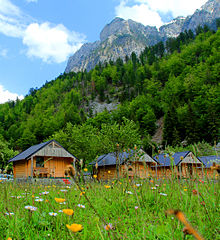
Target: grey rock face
205,15
174,28
122,37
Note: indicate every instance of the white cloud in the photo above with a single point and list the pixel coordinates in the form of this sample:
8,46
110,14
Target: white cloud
51,43
6,7
147,11
177,7
5,95
139,13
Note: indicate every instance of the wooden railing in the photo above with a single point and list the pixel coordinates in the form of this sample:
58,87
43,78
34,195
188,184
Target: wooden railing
40,172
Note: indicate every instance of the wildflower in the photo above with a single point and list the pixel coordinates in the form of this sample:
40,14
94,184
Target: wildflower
107,186
185,189
108,227
188,228
135,147
68,212
163,194
153,188
66,181
82,193
75,227
46,200
95,176
195,192
63,190
52,214
136,207
32,196
96,165
138,184
39,200
9,213
63,203
81,206
109,171
31,208
151,181
60,211
9,238
156,185
129,192
44,193
68,187
201,181
202,203
60,200
85,169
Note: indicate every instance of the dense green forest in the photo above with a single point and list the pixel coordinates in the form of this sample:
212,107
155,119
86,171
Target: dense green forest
178,80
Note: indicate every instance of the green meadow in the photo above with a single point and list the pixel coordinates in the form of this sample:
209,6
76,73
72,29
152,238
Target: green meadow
123,209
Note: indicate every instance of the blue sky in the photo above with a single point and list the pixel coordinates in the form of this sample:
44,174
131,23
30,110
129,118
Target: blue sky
38,36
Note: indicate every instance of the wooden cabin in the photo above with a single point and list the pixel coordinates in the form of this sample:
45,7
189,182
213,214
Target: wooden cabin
211,166
181,164
131,164
48,159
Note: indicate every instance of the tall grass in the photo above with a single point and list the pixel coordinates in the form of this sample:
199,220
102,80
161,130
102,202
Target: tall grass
131,209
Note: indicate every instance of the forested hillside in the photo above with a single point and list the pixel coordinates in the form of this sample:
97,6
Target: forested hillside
178,80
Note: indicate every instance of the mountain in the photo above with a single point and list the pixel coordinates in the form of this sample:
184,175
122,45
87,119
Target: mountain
122,37
171,97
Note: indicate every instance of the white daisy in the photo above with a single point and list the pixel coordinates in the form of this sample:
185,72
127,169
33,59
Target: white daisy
39,200
81,206
52,214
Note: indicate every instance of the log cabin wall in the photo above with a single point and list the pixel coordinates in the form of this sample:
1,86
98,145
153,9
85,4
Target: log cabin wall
107,173
57,165
20,169
138,169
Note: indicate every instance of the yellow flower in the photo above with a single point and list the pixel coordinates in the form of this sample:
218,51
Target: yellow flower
68,212
109,171
151,181
107,186
185,189
32,196
75,227
82,193
85,169
60,200
46,200
95,176
9,238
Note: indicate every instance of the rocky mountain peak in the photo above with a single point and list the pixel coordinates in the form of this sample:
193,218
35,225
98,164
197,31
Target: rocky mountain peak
122,37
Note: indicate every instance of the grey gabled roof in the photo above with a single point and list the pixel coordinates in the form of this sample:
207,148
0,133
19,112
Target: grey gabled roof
165,161
209,160
32,150
110,158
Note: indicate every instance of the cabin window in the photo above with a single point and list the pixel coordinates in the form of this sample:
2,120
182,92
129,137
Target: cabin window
39,162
